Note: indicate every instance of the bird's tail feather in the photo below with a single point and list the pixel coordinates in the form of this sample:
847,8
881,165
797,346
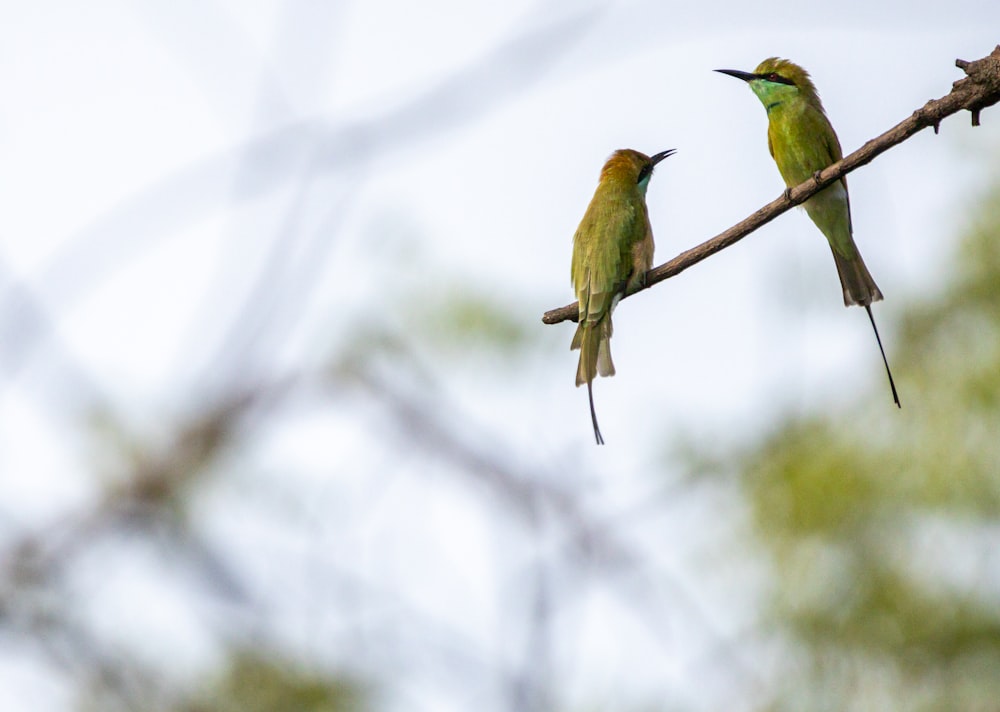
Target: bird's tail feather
892,384
593,415
594,342
857,283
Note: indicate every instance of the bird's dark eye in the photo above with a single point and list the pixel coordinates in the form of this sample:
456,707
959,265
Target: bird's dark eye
778,79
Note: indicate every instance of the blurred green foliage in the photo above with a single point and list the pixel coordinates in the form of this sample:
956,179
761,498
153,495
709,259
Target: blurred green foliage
260,684
883,528
468,318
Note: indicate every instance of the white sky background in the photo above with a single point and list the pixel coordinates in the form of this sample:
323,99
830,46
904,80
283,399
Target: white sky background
133,212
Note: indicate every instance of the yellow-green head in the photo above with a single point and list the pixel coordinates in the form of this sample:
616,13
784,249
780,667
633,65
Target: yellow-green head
776,81
628,168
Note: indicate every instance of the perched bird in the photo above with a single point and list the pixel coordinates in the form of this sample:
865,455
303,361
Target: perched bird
802,142
612,251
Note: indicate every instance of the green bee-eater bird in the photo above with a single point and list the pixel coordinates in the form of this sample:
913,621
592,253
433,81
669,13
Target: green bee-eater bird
802,142
612,251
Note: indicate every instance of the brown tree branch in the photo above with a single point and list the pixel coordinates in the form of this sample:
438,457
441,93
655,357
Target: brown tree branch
978,90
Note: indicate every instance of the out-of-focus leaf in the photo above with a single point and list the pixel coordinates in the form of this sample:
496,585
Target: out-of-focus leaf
257,684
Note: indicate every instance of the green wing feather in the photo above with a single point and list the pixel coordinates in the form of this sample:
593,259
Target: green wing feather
601,268
802,143
602,255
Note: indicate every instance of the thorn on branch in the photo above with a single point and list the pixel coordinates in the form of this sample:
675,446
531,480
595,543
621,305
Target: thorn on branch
984,72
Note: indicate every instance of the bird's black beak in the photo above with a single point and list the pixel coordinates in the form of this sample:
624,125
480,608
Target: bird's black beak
745,76
654,159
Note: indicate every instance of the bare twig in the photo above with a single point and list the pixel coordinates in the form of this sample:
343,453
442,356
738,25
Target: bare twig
978,90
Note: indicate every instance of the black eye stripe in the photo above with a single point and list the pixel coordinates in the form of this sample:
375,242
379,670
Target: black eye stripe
777,78
646,171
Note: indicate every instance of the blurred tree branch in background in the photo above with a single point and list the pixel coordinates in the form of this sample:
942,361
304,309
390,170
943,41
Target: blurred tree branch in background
978,90
152,482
